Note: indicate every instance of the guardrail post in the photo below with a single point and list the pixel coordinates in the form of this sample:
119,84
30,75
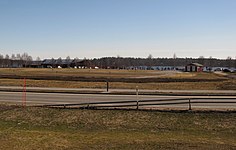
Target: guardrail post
189,104
64,106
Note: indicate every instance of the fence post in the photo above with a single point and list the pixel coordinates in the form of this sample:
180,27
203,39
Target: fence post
137,104
137,92
107,86
88,106
189,104
24,93
137,97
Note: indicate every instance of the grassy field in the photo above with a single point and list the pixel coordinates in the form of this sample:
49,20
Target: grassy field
47,128
156,80
106,73
223,85
109,73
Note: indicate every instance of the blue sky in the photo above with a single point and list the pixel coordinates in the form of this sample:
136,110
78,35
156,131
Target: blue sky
128,28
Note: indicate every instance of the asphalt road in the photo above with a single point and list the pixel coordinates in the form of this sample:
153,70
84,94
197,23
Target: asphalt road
120,91
61,98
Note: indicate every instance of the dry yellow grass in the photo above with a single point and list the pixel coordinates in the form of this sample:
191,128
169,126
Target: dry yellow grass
75,72
224,85
45,128
126,74
109,73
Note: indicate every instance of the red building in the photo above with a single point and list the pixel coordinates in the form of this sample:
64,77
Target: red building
194,67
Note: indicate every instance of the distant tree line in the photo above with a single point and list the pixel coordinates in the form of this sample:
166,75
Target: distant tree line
15,60
24,60
120,62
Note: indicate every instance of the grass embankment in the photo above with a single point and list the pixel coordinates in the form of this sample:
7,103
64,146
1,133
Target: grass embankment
105,73
78,78
223,85
45,128
109,73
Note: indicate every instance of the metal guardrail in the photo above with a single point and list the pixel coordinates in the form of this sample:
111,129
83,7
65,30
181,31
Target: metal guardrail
139,103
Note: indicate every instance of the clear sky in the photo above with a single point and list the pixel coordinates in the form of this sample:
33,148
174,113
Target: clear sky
128,28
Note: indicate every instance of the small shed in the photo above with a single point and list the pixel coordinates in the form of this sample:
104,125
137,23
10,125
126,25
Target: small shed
194,67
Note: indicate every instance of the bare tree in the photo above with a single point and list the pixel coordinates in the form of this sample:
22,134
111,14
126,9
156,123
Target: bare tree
13,57
38,59
1,60
150,56
53,62
201,57
201,60
18,57
235,62
24,56
228,61
174,56
7,61
76,60
26,59
68,58
59,61
68,61
7,56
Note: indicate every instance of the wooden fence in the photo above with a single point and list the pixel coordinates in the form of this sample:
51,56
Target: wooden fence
136,104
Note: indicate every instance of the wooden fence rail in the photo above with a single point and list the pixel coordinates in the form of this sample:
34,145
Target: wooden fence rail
154,102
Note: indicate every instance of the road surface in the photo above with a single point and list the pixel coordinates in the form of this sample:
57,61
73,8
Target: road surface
62,98
120,91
